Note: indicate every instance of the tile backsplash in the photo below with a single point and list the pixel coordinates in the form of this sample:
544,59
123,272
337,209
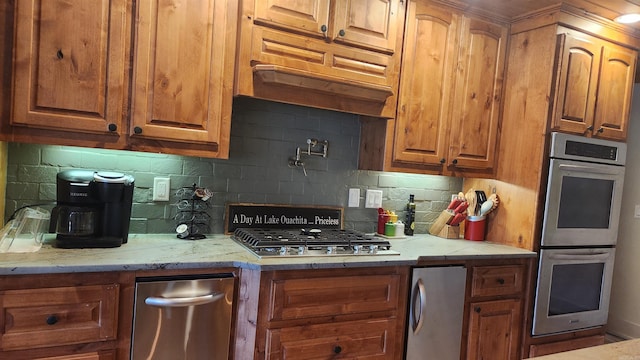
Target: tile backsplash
264,135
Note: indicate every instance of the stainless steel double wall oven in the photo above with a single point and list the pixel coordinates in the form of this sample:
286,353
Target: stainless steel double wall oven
579,234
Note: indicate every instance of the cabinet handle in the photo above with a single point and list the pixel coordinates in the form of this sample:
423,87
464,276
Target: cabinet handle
323,28
137,130
443,160
590,127
52,319
600,130
500,281
59,54
337,349
112,127
341,32
477,309
455,162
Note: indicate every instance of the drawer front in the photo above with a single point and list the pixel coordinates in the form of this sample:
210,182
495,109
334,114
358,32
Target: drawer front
367,339
497,280
331,296
58,316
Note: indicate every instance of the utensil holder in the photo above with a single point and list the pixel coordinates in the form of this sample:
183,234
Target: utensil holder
474,228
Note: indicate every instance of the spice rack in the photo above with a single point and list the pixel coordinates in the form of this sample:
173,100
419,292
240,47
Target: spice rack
192,218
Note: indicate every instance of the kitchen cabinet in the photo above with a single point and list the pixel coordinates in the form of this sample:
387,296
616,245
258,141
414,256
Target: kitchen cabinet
594,86
332,313
72,83
495,306
450,95
341,55
70,316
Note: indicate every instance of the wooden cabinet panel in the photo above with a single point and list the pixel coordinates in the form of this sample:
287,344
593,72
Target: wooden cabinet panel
494,329
34,318
69,65
370,339
308,298
498,280
102,355
307,17
181,81
565,345
450,92
371,24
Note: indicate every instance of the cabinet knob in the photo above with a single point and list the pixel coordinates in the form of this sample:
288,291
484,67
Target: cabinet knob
600,130
590,127
137,130
500,281
341,32
52,319
112,127
323,28
455,161
443,160
477,309
59,54
337,349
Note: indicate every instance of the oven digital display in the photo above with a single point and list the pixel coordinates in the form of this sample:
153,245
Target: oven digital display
593,151
575,288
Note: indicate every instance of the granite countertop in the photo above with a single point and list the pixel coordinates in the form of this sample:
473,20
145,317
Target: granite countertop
622,350
165,251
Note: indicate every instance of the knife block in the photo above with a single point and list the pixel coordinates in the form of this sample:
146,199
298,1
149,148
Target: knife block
450,232
441,229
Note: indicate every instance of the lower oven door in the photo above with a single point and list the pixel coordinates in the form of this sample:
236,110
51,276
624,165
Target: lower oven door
573,289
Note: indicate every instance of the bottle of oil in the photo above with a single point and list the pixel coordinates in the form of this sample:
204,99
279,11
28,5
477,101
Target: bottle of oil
410,217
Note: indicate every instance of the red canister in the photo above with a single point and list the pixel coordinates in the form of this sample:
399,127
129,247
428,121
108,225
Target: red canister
383,218
474,228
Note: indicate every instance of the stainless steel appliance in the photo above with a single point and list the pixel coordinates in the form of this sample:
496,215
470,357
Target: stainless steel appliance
310,242
185,318
582,210
93,209
435,313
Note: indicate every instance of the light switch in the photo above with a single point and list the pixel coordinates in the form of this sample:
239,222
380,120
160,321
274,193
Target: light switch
354,197
161,186
373,199
636,213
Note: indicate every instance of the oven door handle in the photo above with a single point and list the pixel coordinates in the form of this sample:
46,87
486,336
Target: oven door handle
417,319
580,256
181,302
588,169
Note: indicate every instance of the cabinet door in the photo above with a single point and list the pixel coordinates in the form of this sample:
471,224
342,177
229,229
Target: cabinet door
367,23
578,68
310,17
615,88
478,94
426,85
70,65
183,72
494,330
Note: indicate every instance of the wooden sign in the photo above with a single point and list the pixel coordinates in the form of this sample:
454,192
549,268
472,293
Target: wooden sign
281,217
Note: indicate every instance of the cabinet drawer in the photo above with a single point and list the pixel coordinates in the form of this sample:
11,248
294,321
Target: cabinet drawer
367,339
331,296
35,318
497,280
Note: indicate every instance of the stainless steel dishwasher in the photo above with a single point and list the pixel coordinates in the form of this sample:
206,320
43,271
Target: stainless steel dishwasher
183,318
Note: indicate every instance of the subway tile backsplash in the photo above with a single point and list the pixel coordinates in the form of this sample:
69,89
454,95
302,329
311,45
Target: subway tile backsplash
264,135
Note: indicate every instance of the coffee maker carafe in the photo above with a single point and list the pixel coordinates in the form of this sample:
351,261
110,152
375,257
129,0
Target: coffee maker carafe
93,209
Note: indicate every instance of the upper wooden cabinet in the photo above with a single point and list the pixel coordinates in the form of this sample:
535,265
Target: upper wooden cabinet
341,55
69,66
181,73
450,94
72,84
594,86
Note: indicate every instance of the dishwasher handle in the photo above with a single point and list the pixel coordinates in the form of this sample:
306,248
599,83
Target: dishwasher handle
417,317
185,301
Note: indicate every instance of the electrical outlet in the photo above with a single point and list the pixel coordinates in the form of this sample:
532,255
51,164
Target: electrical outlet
354,197
161,186
373,199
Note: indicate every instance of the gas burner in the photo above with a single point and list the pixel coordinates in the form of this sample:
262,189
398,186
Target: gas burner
310,242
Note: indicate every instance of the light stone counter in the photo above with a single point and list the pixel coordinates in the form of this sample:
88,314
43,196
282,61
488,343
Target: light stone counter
622,350
160,251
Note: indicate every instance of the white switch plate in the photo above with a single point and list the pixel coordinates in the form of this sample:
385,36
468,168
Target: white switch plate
636,213
161,186
354,197
373,199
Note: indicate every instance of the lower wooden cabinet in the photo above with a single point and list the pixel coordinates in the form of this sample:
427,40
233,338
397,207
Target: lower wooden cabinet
358,313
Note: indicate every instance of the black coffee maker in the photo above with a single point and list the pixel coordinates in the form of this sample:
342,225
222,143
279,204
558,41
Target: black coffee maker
93,209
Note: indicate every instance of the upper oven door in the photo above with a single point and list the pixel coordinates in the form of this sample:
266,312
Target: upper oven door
582,206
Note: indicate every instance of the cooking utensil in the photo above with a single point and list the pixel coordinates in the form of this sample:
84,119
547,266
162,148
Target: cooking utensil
472,200
481,196
486,207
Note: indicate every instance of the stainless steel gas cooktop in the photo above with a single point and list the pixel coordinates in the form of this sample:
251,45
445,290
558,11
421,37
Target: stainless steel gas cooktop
310,242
